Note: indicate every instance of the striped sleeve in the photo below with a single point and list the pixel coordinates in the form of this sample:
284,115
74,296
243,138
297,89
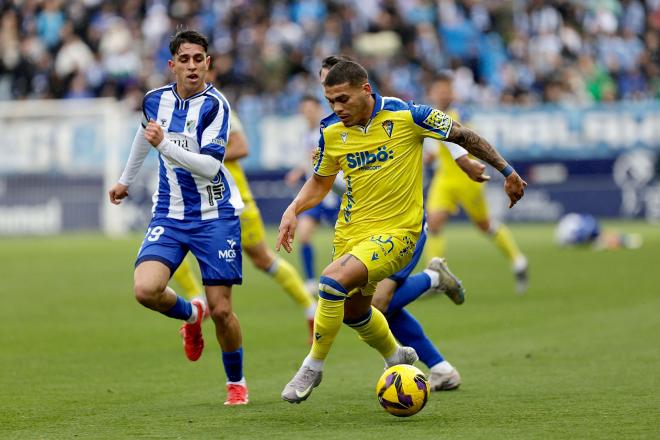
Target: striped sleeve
213,132
149,108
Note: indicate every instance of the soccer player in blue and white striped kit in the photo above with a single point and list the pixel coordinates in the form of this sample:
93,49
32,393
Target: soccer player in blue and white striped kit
196,205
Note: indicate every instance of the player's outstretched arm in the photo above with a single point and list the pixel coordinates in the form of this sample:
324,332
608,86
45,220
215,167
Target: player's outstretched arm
310,195
514,185
139,151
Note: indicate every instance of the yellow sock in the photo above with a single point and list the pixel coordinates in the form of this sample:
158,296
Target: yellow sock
376,333
435,246
185,278
287,276
327,322
505,242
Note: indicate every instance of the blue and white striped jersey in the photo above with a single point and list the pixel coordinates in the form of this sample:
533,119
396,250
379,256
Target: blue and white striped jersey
199,124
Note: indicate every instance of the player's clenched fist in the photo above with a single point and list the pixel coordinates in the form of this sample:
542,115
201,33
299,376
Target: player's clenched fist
153,133
514,186
117,193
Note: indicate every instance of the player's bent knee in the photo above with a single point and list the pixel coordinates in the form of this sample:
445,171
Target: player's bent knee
147,295
221,315
486,227
260,256
263,261
436,222
347,271
341,278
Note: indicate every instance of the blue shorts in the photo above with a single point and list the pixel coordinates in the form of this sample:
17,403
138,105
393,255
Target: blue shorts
215,243
400,276
321,212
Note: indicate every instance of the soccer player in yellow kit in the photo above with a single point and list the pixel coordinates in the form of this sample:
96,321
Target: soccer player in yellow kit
451,188
377,143
253,235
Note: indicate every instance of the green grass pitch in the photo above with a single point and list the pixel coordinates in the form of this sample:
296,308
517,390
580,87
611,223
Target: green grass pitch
577,357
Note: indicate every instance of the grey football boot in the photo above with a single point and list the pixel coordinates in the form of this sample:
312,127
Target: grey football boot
302,384
444,381
449,284
404,355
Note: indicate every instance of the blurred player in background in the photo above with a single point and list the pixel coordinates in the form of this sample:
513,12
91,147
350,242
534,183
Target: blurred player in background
382,209
451,188
196,205
584,230
326,211
253,234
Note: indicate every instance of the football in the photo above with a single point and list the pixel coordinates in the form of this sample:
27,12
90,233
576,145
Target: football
402,390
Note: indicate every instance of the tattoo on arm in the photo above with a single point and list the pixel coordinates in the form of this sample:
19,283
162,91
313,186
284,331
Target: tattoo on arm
345,260
476,145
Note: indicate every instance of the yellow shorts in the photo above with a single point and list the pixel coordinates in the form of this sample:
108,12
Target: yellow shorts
252,226
448,194
383,254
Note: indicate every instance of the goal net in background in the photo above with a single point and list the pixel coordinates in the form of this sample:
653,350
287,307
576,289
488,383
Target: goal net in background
57,161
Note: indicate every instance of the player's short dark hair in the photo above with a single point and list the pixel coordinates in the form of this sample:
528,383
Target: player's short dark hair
346,72
332,60
187,36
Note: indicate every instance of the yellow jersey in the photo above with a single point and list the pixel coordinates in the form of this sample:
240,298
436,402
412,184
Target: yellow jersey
382,165
235,168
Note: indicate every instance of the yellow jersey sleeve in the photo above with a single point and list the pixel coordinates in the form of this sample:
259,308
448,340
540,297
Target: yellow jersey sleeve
325,162
431,122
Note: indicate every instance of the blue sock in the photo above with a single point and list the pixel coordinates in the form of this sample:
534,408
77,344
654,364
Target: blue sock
409,332
409,291
181,310
308,261
233,362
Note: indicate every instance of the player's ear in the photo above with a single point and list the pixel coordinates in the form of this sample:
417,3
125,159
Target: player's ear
170,64
366,88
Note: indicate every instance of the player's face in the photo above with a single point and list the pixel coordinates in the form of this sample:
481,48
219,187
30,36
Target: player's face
350,103
189,66
441,94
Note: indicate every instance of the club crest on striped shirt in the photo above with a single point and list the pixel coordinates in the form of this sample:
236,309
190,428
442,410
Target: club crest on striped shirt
190,125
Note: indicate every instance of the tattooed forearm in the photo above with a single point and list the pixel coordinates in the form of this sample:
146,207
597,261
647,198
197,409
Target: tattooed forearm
476,145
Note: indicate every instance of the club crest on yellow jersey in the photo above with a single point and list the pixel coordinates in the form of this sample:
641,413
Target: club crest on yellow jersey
388,126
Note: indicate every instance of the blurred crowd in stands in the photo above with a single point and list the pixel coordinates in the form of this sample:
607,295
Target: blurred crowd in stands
268,53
